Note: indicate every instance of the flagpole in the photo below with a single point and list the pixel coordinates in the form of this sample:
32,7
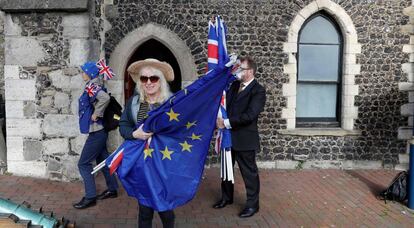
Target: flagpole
98,167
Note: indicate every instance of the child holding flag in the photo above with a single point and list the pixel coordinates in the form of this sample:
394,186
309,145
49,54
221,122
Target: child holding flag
92,104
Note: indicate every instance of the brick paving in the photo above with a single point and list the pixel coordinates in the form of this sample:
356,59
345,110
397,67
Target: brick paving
289,198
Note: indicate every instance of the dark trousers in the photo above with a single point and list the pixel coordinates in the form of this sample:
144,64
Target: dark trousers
146,214
248,168
95,149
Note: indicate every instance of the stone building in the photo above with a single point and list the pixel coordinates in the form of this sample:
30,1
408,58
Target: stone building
338,73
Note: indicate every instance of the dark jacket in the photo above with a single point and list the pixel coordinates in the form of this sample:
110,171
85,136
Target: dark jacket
127,123
243,111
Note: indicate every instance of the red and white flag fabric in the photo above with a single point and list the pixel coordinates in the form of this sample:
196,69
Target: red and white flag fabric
92,89
105,70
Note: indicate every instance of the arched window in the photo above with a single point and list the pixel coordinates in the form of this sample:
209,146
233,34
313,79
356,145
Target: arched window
318,99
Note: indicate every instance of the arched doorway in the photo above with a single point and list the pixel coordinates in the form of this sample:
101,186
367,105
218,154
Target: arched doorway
152,49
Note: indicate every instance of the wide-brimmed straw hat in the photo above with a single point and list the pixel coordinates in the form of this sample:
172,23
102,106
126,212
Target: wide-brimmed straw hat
164,67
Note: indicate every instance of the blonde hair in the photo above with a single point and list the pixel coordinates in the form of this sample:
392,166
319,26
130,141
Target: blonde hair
165,92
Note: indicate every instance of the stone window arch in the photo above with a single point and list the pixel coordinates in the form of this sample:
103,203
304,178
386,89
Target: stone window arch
350,68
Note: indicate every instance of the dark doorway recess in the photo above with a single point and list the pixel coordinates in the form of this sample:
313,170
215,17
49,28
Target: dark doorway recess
156,50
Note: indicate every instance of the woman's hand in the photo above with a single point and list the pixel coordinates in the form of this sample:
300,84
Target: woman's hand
140,134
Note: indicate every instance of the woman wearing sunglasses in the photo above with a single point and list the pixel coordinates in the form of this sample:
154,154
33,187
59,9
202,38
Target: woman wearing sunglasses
150,76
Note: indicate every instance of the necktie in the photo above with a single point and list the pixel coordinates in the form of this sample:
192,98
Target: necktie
242,86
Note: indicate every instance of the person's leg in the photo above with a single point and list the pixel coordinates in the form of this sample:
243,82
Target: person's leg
89,153
111,182
145,215
248,168
167,218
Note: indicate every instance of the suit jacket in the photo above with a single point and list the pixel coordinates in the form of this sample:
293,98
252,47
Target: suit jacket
243,111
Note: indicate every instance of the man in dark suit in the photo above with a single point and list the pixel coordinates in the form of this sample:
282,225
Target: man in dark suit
245,101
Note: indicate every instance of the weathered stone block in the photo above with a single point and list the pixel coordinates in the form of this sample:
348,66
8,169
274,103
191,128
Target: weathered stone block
11,72
24,127
61,100
59,80
46,102
115,87
361,164
77,143
77,83
289,90
14,148
61,125
14,109
29,109
76,25
74,105
11,28
23,51
14,89
30,5
56,146
53,165
32,150
79,52
407,109
280,164
266,164
70,167
406,86
27,168
405,133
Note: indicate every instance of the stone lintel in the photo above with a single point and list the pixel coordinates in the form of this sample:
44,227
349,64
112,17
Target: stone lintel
19,6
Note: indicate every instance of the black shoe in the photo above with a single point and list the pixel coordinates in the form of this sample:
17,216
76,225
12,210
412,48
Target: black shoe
248,212
107,194
221,204
85,203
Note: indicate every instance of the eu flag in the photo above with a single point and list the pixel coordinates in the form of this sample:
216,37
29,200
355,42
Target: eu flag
164,172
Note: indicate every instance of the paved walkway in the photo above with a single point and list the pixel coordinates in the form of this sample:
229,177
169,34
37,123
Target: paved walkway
294,198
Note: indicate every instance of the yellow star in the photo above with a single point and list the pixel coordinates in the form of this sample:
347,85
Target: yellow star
195,137
173,115
148,152
186,146
166,153
190,124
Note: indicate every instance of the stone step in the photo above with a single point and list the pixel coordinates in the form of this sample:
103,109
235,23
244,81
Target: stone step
401,167
405,133
404,158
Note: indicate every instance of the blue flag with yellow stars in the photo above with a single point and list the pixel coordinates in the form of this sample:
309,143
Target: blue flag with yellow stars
165,171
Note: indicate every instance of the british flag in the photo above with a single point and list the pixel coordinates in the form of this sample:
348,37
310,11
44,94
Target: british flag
105,70
217,53
92,89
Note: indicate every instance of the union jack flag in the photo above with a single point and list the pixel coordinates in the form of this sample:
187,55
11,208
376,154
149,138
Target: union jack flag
105,69
92,89
217,53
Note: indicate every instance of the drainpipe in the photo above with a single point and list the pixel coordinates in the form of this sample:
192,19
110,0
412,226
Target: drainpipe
411,176
24,213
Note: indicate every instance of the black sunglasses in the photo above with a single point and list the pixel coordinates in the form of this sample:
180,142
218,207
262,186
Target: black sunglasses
153,79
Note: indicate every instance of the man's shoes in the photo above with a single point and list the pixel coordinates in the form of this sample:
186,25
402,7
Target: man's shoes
221,204
107,194
85,203
248,212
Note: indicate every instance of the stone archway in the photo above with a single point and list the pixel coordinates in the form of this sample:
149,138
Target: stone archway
128,45
126,48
